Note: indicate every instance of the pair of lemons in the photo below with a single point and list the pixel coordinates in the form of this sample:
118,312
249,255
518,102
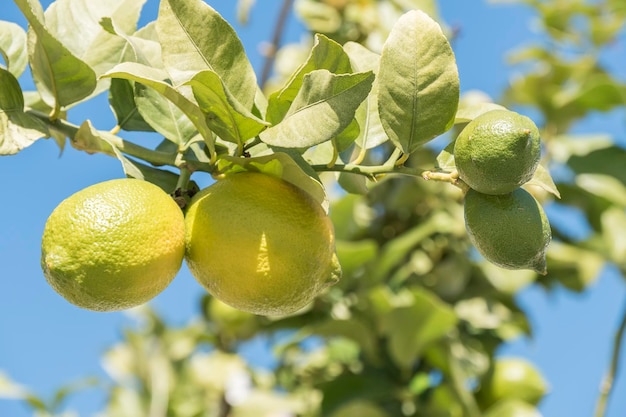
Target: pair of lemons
254,241
495,154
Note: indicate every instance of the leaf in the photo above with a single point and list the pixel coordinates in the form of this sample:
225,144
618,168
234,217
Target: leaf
353,255
224,114
410,329
574,267
88,139
418,90
542,178
614,225
61,78
323,108
608,161
13,47
142,47
163,115
153,78
325,54
279,165
18,130
122,102
243,10
605,186
165,179
445,159
194,38
11,390
76,23
372,133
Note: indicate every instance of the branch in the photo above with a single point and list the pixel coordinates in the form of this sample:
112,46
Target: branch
276,40
609,380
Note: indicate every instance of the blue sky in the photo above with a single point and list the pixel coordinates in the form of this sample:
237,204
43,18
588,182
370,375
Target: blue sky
46,342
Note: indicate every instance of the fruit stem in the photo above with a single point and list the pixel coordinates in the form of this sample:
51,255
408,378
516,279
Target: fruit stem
609,380
450,177
183,178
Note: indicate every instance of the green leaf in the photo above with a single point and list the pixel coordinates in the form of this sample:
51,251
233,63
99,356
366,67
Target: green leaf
574,267
325,54
323,108
165,179
153,78
614,225
372,133
605,186
224,114
11,390
410,329
142,47
61,78
18,130
13,47
418,90
445,159
194,38
77,24
608,161
122,101
542,178
279,165
88,139
353,255
163,115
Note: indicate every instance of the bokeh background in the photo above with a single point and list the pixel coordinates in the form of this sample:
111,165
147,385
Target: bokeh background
46,342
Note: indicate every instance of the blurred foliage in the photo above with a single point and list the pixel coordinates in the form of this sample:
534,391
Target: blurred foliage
413,326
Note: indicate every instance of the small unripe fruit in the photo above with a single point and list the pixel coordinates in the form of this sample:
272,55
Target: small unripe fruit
497,152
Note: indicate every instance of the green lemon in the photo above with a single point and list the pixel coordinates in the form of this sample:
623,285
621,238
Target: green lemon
512,379
260,244
509,230
113,245
497,152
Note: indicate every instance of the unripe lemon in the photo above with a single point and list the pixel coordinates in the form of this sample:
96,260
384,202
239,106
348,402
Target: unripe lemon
260,244
509,230
512,379
113,245
497,152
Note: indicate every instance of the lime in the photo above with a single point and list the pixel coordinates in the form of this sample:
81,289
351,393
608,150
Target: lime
509,230
497,152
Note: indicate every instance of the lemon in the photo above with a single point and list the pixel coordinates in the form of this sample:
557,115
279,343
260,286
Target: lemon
260,244
113,245
509,230
497,152
512,379
512,408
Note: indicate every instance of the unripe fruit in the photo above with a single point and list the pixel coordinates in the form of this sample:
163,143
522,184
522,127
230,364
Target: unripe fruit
512,379
510,230
497,152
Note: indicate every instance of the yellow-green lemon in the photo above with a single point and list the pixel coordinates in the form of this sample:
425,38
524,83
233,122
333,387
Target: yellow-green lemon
113,245
260,244
512,379
509,230
497,152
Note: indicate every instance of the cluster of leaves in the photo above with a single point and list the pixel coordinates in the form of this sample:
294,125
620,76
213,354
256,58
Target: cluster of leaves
414,324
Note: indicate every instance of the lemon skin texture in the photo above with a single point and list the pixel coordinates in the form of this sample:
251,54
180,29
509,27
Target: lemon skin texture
497,152
509,230
260,244
113,245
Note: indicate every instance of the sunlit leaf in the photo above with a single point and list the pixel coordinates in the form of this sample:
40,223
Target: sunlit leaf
13,47
324,107
195,38
122,101
614,225
325,54
18,130
224,114
61,78
418,80
576,268
542,178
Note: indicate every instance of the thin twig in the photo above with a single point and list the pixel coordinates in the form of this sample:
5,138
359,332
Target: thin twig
276,40
609,380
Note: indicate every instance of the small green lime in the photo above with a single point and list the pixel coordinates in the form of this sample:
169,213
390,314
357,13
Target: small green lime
509,230
497,152
512,379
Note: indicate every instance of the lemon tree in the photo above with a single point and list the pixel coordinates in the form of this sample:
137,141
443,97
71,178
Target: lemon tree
113,245
359,152
260,244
